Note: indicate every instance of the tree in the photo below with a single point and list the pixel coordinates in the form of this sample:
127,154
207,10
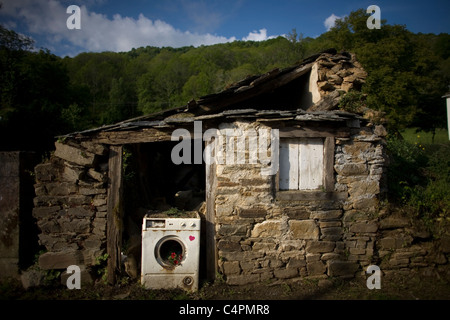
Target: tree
297,42
34,88
403,72
407,75
118,106
146,94
13,48
197,86
73,116
12,41
432,78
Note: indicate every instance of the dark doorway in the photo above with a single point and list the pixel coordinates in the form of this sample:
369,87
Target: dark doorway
152,183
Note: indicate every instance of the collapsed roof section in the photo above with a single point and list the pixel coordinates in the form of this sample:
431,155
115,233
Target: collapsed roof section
308,91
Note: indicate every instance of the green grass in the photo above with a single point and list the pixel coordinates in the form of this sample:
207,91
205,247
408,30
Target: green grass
424,138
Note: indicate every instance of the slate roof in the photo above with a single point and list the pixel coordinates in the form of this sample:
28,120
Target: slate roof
228,103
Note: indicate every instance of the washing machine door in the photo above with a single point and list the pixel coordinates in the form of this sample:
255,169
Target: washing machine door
170,252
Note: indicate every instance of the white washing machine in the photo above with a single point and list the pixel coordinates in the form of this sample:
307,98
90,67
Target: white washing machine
170,253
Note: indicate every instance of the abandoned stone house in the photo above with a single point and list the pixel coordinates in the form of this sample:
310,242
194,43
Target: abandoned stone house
317,214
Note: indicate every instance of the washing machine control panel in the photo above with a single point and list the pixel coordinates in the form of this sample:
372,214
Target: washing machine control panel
172,223
155,223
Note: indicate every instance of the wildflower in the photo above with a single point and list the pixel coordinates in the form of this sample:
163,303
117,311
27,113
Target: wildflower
174,259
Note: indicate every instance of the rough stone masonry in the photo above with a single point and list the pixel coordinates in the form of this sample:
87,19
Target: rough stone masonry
70,206
261,237
260,234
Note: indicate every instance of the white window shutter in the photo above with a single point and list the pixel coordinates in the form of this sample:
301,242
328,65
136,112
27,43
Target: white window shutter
293,165
288,179
311,164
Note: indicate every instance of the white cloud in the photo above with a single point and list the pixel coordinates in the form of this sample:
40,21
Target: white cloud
46,20
98,33
330,21
260,35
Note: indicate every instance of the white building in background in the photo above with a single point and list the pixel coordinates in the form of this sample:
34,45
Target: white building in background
447,96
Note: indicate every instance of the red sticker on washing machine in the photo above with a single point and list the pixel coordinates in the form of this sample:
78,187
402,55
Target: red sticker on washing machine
192,238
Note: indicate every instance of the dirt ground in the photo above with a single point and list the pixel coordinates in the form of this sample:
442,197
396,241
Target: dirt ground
411,286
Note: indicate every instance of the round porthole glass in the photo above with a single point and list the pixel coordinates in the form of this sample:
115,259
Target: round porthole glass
170,252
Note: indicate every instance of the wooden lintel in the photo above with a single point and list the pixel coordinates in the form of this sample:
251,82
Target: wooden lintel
314,132
133,136
310,195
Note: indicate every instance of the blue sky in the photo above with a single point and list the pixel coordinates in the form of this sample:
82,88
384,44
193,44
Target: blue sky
113,25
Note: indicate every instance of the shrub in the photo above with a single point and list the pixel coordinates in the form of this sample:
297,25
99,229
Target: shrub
406,167
353,101
419,178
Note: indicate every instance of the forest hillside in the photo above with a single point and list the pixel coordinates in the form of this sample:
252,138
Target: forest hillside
43,95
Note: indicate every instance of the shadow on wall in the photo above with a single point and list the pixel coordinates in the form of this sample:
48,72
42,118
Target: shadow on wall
18,230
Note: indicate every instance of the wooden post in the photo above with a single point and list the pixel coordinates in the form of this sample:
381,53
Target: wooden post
328,168
448,114
114,214
211,252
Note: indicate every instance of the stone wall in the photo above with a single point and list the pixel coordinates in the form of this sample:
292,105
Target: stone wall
263,238
260,237
70,205
339,72
404,244
359,165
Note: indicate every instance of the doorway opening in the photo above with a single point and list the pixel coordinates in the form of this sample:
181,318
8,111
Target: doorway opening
153,184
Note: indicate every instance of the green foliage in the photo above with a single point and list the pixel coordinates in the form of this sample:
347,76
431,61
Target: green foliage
172,78
13,41
197,86
73,116
407,75
101,267
33,92
173,212
52,276
127,165
419,178
353,101
405,167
